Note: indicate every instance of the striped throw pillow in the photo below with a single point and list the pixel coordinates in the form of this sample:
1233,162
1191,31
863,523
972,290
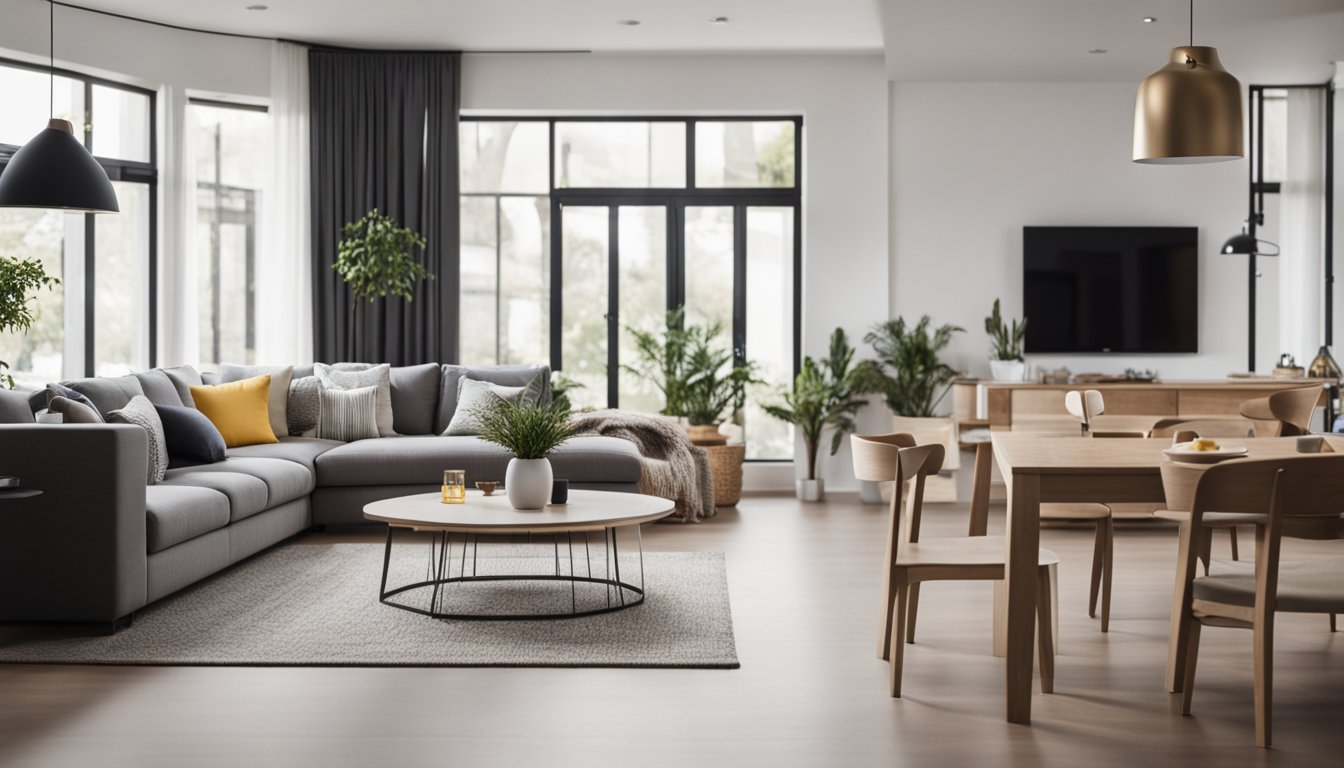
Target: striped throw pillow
349,414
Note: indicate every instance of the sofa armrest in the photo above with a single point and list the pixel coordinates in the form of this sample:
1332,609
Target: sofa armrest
77,552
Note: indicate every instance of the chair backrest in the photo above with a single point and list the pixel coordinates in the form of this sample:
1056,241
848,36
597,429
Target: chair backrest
1291,408
1183,430
877,457
1084,405
896,458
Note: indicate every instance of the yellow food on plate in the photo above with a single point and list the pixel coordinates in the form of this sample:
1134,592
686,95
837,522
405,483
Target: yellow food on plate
1203,444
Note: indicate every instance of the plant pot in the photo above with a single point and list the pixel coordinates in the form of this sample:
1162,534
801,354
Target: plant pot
810,490
705,434
528,483
1008,370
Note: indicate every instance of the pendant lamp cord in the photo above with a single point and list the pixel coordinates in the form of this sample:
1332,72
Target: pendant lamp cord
51,54
1192,23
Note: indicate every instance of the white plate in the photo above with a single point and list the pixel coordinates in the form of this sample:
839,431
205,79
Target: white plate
1182,452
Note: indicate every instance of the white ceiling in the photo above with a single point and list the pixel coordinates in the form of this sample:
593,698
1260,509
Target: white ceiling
549,25
1265,41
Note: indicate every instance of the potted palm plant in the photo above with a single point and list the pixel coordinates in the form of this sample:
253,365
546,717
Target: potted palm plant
19,278
825,395
376,259
530,432
1006,362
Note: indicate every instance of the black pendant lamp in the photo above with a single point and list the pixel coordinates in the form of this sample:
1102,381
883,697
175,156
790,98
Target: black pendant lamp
54,170
1247,243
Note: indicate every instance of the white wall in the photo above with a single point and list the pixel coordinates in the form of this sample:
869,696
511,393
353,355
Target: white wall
843,101
972,163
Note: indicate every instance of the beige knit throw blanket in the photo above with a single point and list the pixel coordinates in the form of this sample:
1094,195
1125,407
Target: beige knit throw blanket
671,466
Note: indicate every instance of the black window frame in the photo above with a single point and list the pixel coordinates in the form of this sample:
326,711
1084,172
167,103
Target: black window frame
676,200
131,171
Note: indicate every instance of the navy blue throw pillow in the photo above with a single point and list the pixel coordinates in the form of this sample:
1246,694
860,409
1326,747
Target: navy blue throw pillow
191,437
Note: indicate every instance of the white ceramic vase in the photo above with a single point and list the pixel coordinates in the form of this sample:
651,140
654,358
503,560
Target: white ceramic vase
810,490
527,482
1008,370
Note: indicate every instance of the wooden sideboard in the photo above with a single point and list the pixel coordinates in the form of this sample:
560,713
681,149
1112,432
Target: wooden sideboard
1017,403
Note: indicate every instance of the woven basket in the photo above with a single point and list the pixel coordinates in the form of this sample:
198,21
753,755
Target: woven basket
725,466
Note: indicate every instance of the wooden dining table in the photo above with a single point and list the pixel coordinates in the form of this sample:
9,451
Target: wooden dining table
1042,469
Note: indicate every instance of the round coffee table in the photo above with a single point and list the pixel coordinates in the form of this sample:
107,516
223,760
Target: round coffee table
586,513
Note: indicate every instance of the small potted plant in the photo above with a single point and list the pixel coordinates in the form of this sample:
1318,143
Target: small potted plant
19,278
908,371
825,395
1005,362
376,259
530,432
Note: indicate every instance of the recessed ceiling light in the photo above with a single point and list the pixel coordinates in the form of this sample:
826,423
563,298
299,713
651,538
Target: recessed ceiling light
629,22
257,7
720,20
1097,51
1149,19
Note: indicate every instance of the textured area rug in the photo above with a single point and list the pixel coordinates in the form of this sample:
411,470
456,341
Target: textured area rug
317,605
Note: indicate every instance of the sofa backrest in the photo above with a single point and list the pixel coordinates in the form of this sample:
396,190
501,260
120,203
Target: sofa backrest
14,407
504,375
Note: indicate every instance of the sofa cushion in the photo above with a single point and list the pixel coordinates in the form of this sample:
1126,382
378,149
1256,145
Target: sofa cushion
73,411
409,460
184,377
300,450
278,398
503,375
192,438
378,376
159,388
304,408
350,414
178,513
473,397
107,395
252,484
141,412
415,395
238,409
15,408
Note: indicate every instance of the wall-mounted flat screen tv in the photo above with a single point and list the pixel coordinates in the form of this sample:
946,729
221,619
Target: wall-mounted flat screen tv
1111,289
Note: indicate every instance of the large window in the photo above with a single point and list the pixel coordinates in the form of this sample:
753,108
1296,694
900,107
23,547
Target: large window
576,229
100,320
230,148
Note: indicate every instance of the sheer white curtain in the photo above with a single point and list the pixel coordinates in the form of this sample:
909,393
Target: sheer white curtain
1302,236
179,335
284,274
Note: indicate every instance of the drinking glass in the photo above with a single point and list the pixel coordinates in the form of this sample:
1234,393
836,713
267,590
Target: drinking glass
454,486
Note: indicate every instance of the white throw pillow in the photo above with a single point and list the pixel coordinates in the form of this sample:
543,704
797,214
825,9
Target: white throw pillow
349,414
141,412
472,396
379,376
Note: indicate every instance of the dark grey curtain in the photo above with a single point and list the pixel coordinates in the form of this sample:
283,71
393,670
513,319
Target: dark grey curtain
384,135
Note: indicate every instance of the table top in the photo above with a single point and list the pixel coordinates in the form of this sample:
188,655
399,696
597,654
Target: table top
1027,453
9,494
586,510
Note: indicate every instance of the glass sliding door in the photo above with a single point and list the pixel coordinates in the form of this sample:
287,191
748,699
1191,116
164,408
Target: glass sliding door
642,262
584,312
769,324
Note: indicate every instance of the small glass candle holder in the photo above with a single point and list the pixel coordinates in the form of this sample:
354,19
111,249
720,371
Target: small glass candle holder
454,486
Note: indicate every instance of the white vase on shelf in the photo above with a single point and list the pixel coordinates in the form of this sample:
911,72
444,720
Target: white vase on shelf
1008,370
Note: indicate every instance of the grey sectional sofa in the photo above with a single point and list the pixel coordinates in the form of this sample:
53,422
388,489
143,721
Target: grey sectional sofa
99,544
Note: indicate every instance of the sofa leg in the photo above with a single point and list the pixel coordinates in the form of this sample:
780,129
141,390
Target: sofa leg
116,625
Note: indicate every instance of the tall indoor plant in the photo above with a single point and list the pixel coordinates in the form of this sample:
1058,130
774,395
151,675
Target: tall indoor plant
19,278
1005,361
530,432
376,258
825,395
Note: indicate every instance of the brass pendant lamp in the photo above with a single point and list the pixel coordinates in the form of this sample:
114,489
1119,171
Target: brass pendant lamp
54,170
1189,111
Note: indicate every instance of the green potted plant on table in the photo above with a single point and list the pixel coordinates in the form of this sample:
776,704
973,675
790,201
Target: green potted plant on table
825,395
376,259
19,278
530,432
1005,361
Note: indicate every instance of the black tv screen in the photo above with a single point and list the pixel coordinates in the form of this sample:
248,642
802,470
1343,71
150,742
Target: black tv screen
1111,289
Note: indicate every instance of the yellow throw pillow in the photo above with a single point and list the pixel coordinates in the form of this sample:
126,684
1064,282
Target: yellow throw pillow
238,410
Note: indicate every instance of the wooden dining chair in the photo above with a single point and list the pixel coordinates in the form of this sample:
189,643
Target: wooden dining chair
1292,409
1298,497
910,561
1183,431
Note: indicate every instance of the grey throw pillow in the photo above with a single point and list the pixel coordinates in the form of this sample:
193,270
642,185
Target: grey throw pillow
159,388
474,396
278,395
378,376
141,412
106,394
349,414
73,411
305,406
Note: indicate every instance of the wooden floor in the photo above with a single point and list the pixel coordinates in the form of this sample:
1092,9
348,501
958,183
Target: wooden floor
803,580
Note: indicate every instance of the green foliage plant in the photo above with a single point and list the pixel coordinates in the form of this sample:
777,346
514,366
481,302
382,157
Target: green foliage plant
1007,339
692,368
526,429
908,371
825,395
376,257
19,279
